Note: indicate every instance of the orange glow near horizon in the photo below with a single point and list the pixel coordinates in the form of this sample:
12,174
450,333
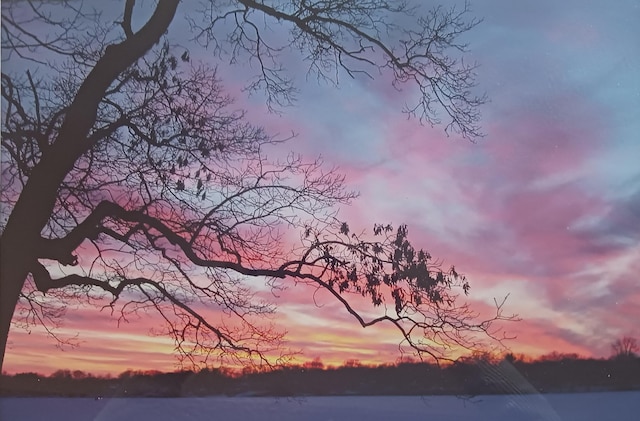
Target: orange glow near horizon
324,333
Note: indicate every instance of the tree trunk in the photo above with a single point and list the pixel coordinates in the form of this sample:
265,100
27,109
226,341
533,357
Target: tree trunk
21,238
13,272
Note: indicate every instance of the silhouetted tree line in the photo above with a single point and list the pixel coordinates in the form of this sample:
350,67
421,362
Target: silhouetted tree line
476,375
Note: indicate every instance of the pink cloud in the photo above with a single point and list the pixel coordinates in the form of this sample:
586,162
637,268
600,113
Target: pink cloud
509,212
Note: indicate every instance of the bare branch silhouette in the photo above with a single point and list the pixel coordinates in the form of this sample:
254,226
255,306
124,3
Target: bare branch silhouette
129,176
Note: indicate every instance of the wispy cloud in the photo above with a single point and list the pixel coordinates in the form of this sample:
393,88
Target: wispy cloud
545,208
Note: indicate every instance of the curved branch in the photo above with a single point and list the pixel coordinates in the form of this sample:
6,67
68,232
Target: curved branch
45,283
126,20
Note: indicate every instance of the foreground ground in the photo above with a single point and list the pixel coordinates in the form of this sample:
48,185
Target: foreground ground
618,406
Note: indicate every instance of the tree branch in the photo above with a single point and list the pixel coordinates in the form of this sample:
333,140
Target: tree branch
126,20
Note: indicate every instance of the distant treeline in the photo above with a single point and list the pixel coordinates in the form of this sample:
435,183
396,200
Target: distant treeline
469,376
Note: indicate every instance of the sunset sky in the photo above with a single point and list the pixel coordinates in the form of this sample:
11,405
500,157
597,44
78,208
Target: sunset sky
545,208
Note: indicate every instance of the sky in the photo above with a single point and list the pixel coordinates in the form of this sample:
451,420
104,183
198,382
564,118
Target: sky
544,209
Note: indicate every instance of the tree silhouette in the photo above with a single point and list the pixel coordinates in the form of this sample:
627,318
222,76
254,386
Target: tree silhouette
625,347
127,174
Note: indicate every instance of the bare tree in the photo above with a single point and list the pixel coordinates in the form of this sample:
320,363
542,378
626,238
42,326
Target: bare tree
127,175
625,347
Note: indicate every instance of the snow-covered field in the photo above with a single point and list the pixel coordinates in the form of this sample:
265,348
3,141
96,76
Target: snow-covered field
579,407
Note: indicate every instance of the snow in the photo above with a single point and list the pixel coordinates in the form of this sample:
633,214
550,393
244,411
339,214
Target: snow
618,406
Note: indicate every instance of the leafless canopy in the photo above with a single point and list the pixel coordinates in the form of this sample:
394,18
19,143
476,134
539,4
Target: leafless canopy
128,173
625,347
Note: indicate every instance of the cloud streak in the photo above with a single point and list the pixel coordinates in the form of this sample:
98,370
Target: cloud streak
546,208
